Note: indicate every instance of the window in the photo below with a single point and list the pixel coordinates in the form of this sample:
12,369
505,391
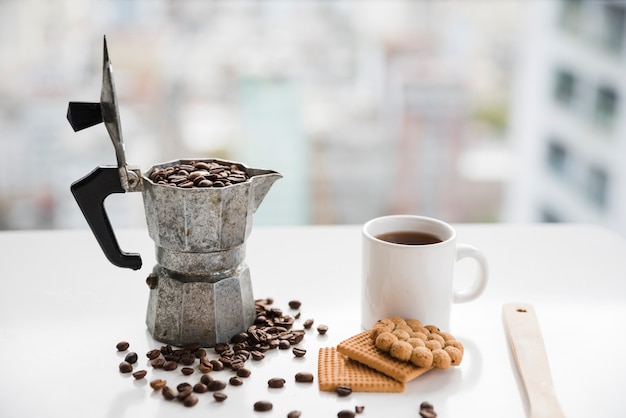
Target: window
571,15
557,158
597,186
565,87
605,106
615,28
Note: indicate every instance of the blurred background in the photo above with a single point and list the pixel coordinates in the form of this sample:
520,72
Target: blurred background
471,111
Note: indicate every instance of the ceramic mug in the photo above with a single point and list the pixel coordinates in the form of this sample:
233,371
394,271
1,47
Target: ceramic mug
408,270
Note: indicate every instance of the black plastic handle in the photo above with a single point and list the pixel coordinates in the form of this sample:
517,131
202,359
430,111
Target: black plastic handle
90,192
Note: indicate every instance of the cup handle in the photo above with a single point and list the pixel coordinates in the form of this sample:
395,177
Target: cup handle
480,281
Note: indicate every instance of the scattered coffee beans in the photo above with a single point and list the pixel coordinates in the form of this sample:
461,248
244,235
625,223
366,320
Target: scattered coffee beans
157,384
294,304
122,346
427,410
190,400
298,352
235,381
125,367
359,409
294,414
304,377
343,390
216,385
276,382
140,374
263,406
346,413
200,388
322,329
308,323
187,371
168,393
219,396
131,358
153,354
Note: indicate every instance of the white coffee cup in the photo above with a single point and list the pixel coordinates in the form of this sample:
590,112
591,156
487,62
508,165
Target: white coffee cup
414,281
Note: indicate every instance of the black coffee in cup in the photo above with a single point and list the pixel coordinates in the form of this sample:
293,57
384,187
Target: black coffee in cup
409,238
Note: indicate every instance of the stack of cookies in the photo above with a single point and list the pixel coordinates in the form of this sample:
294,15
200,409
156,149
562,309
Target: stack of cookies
382,359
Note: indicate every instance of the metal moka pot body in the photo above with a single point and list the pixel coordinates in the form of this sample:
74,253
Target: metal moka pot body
201,290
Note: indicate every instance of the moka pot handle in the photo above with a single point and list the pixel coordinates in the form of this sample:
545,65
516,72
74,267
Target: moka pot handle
90,192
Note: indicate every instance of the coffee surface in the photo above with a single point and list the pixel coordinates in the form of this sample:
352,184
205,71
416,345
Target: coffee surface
409,238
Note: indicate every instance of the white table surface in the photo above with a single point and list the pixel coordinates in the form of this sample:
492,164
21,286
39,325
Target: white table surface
63,308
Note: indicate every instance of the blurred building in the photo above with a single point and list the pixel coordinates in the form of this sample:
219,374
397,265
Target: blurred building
366,108
569,116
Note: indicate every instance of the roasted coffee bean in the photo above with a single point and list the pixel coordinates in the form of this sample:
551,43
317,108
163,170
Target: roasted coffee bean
206,379
308,323
170,365
152,354
187,359
304,377
200,388
221,347
125,367
172,357
346,413
184,392
343,390
427,410
257,355
243,372
239,338
158,384
187,371
158,363
276,382
182,386
140,374
263,406
194,173
190,400
217,365
235,381
205,365
284,344
359,409
294,414
322,329
294,304
200,353
298,352
220,396
122,346
131,358
166,349
168,393
427,405
216,385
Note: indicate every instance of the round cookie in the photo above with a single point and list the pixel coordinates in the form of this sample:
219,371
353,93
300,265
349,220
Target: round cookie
441,359
401,350
422,357
385,340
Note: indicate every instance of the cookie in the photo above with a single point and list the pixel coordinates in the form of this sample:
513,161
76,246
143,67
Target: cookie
336,369
360,348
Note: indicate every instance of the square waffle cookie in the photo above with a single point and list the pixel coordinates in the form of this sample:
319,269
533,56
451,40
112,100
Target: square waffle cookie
360,348
334,369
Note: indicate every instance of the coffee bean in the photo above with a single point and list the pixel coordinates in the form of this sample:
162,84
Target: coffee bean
205,365
158,384
294,414
263,406
298,352
190,400
158,363
284,344
168,393
152,354
221,347
243,372
182,386
131,358
257,355
294,304
125,367
206,379
187,371
184,392
200,388
308,323
220,396
322,329
359,409
170,365
346,413
122,346
140,374
304,377
427,410
187,359
343,390
217,365
276,382
235,381
216,385
199,174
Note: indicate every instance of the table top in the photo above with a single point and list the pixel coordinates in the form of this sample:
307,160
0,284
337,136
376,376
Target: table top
63,308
